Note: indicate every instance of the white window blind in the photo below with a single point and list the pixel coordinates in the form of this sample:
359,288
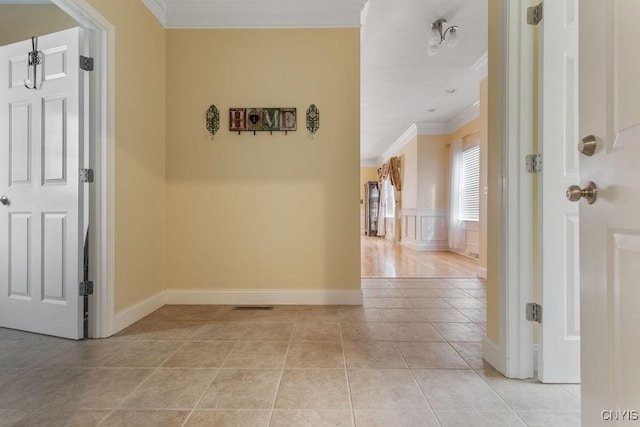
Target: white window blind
469,195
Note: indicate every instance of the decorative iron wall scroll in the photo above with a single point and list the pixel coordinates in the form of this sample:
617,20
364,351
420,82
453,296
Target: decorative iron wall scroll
262,120
313,119
213,120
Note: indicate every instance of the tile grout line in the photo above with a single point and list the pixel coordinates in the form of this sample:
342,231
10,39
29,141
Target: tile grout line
186,420
153,371
495,392
346,374
284,363
415,380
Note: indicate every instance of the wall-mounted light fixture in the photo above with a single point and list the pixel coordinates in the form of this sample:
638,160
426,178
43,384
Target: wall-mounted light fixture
442,34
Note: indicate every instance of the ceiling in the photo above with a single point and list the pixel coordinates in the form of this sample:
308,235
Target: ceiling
400,82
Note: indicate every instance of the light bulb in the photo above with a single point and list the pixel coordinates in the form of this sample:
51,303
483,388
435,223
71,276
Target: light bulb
452,39
435,38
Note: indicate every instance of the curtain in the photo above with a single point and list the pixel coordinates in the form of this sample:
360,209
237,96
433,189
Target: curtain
456,227
382,211
391,171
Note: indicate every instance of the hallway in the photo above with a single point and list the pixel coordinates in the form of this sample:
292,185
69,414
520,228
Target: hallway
409,357
381,258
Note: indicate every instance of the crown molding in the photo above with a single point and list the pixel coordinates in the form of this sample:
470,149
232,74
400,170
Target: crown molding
472,112
481,66
197,14
159,9
425,128
368,163
403,140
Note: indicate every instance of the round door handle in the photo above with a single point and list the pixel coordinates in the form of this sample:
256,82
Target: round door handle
589,193
587,145
4,200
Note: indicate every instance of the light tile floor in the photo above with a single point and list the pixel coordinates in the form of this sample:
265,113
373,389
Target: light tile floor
411,356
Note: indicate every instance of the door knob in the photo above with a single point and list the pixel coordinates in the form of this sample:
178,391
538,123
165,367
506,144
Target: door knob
587,145
4,200
590,192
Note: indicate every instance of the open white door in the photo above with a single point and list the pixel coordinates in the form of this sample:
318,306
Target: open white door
41,224
610,227
559,290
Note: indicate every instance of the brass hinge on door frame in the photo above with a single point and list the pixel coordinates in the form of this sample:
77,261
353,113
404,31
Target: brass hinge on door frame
534,14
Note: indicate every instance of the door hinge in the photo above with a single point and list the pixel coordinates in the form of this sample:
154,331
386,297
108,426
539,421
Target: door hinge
534,14
86,175
534,163
86,288
534,312
86,63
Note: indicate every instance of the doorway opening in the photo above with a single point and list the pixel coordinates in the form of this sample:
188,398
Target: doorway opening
407,177
96,129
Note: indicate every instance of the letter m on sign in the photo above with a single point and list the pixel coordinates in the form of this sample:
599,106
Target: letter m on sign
271,118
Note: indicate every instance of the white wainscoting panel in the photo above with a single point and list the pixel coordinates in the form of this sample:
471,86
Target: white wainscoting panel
426,229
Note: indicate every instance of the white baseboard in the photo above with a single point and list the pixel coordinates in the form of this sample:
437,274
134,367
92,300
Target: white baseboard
133,313
270,296
492,353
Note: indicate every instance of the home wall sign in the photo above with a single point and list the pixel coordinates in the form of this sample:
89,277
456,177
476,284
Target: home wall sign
262,120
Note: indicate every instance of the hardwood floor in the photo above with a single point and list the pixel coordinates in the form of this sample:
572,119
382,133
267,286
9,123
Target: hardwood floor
380,258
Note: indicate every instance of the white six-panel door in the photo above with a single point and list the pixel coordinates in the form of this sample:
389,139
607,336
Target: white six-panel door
610,228
41,236
559,291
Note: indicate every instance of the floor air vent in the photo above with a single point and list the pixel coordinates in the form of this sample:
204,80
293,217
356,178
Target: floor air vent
253,307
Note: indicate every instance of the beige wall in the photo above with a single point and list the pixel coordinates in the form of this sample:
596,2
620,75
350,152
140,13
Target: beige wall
433,171
21,22
140,150
366,174
263,211
409,174
494,161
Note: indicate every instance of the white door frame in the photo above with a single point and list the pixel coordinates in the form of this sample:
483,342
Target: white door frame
513,354
515,358
102,97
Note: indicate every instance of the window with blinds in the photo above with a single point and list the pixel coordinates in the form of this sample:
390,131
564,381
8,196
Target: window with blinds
388,198
469,194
